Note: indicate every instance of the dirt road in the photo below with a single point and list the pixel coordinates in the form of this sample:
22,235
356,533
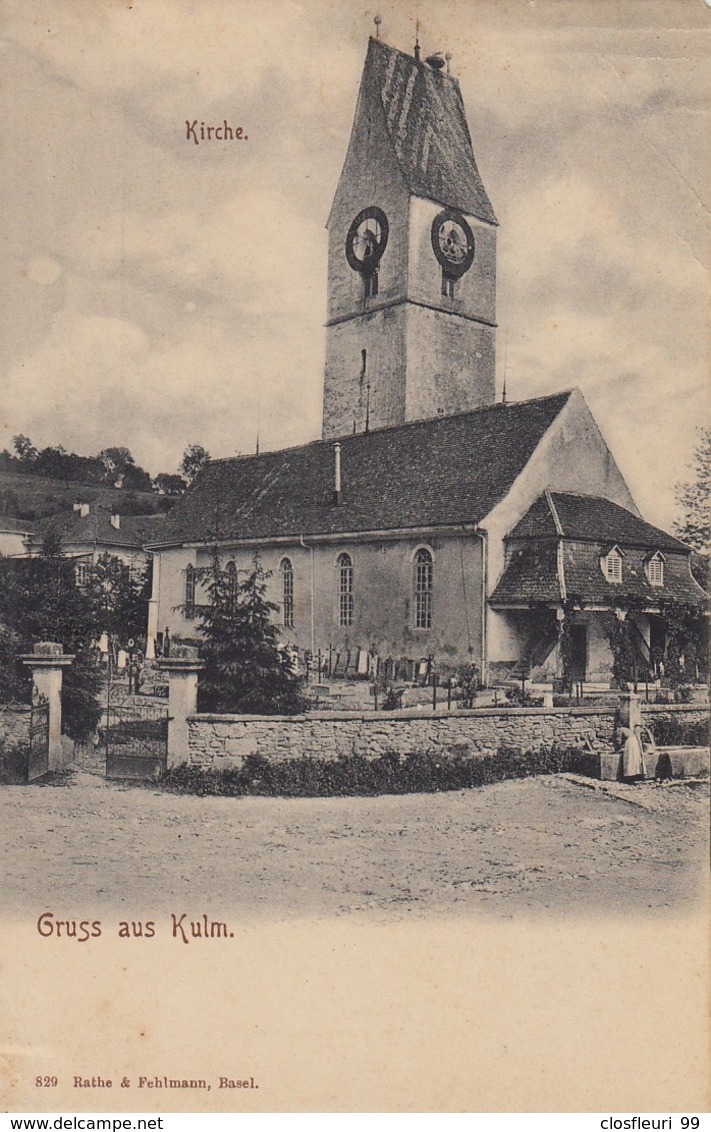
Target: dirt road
544,845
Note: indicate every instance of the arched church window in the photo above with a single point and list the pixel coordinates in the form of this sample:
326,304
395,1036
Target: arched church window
423,589
345,590
287,590
189,592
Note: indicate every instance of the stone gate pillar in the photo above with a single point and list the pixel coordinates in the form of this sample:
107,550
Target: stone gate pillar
630,711
47,663
182,672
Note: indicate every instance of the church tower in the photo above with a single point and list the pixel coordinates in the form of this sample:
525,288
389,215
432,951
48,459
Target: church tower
411,257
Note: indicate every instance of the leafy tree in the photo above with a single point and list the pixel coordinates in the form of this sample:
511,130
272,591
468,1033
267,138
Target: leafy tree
168,484
9,503
137,479
54,462
39,601
118,599
25,449
195,457
686,651
13,682
245,670
116,462
132,504
694,497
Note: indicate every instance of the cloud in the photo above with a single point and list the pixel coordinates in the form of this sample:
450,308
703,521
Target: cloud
95,381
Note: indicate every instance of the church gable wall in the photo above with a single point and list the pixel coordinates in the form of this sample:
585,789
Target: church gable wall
573,457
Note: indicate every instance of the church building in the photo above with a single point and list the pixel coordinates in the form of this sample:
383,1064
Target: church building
429,521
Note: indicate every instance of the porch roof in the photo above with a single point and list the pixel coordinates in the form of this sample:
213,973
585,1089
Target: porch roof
531,575
591,518
534,574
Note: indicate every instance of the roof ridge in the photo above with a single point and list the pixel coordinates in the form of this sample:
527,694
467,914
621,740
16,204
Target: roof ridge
442,74
554,514
420,422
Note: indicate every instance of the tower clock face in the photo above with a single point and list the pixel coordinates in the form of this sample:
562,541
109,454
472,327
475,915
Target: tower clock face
367,239
452,242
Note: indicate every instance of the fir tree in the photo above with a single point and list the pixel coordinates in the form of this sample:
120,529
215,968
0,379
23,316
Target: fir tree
695,498
245,670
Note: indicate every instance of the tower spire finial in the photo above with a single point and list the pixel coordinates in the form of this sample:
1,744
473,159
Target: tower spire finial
377,20
417,40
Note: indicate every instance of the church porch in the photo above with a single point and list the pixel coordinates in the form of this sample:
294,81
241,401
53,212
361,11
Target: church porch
560,647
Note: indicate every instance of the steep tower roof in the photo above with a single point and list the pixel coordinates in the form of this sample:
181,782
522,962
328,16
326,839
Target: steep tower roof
424,116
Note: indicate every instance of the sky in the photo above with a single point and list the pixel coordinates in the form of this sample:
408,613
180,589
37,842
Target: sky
158,293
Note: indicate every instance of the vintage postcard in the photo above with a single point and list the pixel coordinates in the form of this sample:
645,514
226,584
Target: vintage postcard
353,528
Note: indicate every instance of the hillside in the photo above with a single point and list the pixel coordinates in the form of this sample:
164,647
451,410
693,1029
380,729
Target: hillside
35,497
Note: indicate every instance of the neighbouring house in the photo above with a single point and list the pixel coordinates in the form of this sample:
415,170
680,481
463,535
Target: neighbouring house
95,528
15,537
429,521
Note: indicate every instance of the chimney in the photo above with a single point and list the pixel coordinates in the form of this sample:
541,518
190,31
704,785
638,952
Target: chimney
116,520
83,509
337,475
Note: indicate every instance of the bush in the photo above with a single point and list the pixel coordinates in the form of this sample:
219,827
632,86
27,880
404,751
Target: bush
13,765
683,695
673,732
392,700
518,698
14,680
390,773
469,681
81,686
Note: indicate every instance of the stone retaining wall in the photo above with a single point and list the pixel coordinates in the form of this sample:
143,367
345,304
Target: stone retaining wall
14,726
222,741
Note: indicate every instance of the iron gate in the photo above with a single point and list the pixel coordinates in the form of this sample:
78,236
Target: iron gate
38,746
135,734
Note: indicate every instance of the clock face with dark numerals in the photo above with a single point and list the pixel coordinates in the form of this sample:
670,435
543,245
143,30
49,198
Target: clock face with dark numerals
452,242
367,239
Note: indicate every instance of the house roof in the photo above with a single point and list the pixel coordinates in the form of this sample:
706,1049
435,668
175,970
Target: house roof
584,528
439,472
584,578
10,525
590,517
531,575
96,529
425,120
